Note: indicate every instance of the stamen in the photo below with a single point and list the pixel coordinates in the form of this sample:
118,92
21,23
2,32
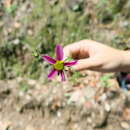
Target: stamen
59,65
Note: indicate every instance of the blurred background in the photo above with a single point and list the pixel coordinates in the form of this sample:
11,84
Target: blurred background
36,26
30,28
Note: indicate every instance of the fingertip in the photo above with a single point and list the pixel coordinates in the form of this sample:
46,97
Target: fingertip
76,67
66,52
72,49
83,64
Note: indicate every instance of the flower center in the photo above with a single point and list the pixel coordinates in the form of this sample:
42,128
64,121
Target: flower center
59,65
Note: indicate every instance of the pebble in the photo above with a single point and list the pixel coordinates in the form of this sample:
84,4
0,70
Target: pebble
30,128
16,41
19,79
107,107
89,92
112,94
125,125
99,117
1,24
32,82
103,97
17,25
89,120
124,24
5,125
9,30
59,114
126,113
88,104
30,32
75,96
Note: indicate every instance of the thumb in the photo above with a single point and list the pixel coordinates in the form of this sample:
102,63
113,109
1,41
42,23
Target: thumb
82,64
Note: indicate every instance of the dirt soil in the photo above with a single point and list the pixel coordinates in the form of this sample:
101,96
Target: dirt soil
86,105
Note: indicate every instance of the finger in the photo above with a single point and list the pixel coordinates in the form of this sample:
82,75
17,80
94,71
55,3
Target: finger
71,50
88,63
76,50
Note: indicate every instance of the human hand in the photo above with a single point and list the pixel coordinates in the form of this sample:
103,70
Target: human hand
94,56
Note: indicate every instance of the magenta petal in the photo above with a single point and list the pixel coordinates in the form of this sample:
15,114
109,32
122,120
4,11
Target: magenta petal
71,63
62,76
59,52
52,74
49,59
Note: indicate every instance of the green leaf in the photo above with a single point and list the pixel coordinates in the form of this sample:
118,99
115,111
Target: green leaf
75,76
101,3
11,9
105,77
68,59
35,54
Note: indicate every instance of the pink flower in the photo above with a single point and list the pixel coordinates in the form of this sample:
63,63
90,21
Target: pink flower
58,63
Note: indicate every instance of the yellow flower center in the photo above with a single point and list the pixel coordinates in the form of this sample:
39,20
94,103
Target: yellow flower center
59,65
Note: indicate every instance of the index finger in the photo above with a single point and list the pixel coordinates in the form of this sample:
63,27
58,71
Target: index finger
77,50
72,50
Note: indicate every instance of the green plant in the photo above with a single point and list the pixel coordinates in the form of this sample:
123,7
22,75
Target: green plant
101,3
75,76
11,9
23,86
105,80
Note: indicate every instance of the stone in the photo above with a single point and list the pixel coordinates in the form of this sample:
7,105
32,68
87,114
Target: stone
107,107
17,25
112,94
125,125
16,41
19,79
5,125
75,96
99,117
29,127
30,32
32,82
126,114
89,92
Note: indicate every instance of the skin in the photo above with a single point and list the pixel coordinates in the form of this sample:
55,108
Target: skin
96,56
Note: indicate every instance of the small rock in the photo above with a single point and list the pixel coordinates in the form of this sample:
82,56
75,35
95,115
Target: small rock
30,32
126,113
30,128
89,120
1,24
107,107
118,104
16,41
29,105
99,117
17,25
125,125
21,94
88,104
112,94
89,92
124,24
59,114
31,82
75,96
9,30
19,79
28,97
5,125
103,97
